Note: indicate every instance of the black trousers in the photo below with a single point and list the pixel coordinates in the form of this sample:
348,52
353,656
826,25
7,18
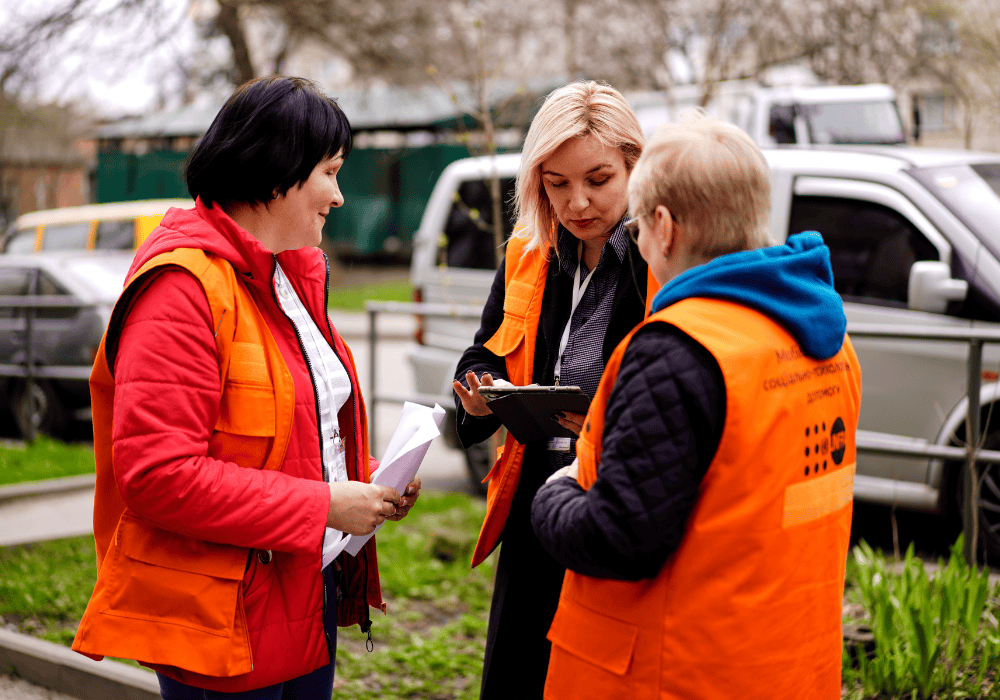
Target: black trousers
525,598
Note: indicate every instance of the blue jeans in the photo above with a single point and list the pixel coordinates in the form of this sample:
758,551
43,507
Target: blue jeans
317,685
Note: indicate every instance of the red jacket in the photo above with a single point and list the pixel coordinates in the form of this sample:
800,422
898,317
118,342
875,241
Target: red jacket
166,402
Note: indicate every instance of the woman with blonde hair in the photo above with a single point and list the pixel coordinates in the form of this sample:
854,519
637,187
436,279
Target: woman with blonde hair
571,286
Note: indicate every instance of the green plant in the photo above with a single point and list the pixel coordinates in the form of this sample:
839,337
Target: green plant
45,458
935,637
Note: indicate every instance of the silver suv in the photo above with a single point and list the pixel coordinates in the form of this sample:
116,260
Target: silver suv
914,237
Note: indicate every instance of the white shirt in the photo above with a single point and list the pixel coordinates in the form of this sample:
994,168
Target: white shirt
330,379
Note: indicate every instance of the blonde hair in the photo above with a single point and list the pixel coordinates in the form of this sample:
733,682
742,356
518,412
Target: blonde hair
576,110
713,179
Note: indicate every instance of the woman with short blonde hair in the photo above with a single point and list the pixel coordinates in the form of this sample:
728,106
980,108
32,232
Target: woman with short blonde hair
570,287
702,159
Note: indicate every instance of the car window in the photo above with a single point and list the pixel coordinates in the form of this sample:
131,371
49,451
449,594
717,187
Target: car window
22,241
115,235
13,283
468,233
72,236
872,247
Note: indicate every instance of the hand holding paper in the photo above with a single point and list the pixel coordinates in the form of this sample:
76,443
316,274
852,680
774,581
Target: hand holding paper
418,425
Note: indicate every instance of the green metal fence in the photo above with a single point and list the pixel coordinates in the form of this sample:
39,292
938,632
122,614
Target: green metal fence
385,191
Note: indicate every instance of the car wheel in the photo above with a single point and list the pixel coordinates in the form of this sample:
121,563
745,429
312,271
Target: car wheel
989,499
38,410
479,460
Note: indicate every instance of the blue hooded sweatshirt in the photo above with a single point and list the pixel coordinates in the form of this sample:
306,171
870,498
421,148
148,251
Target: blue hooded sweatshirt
791,283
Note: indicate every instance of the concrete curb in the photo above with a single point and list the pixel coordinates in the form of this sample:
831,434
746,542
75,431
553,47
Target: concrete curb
46,487
58,668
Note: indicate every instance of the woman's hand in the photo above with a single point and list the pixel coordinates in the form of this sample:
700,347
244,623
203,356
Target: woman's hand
357,508
408,499
570,421
569,470
472,402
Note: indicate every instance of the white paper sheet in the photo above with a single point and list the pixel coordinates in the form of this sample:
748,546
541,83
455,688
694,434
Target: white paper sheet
417,426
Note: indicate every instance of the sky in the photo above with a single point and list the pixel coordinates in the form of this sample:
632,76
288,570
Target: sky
114,66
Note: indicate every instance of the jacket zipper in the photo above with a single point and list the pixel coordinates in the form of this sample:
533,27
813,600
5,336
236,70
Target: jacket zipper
366,623
319,427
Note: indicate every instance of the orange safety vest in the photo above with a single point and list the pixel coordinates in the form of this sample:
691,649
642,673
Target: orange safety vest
749,606
524,288
163,598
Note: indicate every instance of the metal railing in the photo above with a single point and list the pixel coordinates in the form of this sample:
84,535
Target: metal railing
28,369
971,453
867,442
374,308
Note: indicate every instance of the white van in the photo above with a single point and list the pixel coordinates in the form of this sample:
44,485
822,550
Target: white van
786,115
914,237
115,226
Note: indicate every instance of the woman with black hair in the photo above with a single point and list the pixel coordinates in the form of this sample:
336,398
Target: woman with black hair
229,429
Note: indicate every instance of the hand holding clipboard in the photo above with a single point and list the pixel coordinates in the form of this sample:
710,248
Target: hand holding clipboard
526,411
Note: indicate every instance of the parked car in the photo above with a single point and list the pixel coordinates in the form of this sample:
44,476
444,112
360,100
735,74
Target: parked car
914,237
62,336
118,226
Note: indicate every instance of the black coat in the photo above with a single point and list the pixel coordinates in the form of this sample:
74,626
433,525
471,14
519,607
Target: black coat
663,423
628,309
528,580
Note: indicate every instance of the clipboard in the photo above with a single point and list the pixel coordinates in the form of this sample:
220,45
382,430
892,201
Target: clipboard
526,411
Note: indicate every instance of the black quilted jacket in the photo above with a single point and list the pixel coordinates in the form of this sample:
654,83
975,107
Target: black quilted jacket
663,423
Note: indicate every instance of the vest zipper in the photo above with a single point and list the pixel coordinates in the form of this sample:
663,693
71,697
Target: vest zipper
319,429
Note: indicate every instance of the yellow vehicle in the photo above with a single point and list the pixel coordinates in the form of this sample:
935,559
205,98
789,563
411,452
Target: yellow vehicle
116,226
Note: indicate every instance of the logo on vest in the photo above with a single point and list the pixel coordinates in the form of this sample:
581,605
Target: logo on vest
838,440
820,446
817,448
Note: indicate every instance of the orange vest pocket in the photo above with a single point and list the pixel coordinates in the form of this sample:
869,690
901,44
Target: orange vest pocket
517,300
598,639
245,429
168,578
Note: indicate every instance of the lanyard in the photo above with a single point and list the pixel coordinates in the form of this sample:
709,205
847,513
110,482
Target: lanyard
578,290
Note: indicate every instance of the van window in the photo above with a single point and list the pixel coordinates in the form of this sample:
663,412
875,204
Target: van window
115,235
854,122
22,241
872,247
74,236
468,232
781,127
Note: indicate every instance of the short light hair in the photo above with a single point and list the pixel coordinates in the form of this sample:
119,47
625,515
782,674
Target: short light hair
713,179
576,110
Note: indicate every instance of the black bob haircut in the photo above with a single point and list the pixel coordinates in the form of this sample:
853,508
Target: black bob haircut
266,139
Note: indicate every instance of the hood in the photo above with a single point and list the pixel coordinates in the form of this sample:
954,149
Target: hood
791,283
212,230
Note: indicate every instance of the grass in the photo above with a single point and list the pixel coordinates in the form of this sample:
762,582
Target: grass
353,298
430,645
44,459
935,636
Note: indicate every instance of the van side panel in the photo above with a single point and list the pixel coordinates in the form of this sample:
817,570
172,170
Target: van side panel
144,226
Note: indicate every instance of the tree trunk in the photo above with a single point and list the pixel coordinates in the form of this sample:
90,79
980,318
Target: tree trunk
228,22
